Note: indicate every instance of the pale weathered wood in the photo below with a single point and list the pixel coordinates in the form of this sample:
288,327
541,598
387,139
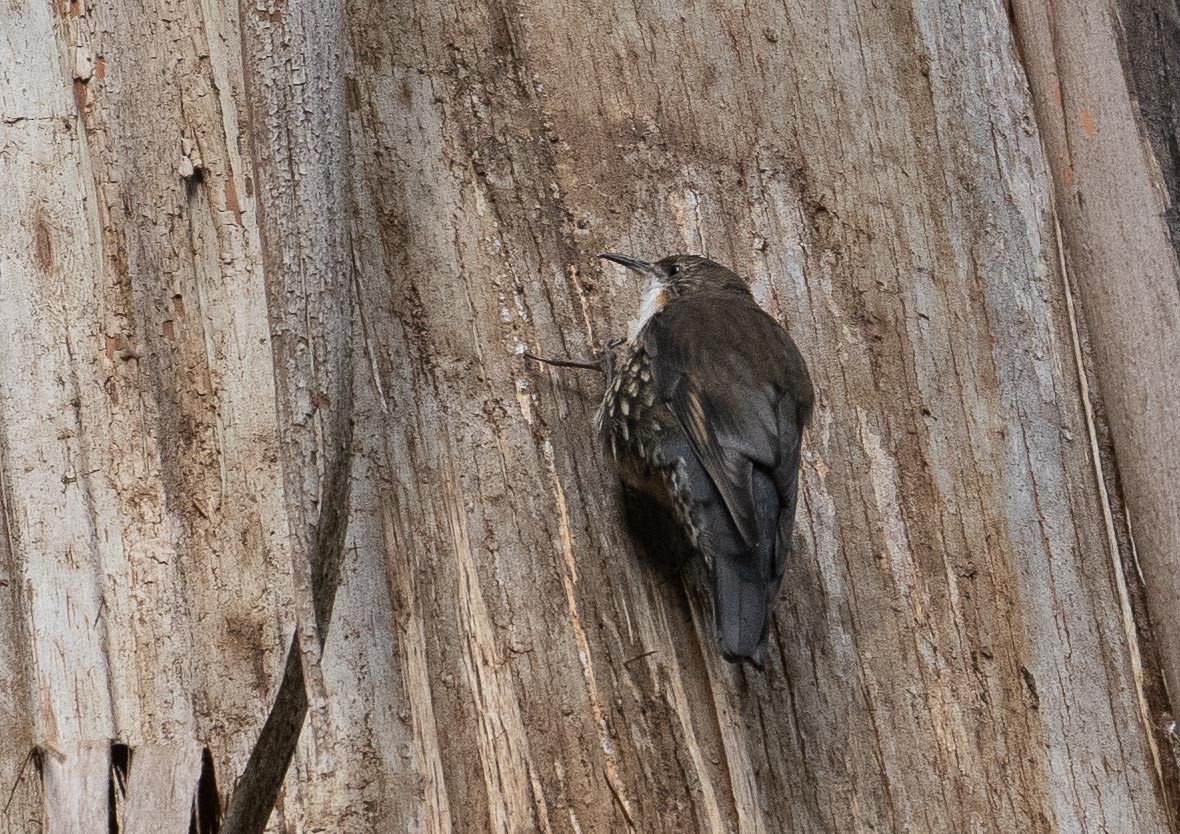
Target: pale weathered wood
1114,206
48,273
190,212
139,441
160,788
76,782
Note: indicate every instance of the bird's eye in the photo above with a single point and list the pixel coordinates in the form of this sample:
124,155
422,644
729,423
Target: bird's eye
674,269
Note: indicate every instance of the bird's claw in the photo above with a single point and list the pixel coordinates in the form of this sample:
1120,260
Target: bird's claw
604,360
608,359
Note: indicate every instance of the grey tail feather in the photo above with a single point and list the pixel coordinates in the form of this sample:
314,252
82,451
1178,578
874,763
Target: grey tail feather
740,608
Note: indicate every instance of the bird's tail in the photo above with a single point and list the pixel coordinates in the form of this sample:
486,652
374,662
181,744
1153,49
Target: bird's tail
746,580
740,609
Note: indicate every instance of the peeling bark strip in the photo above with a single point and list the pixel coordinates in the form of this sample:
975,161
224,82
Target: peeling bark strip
1114,208
185,191
296,59
255,792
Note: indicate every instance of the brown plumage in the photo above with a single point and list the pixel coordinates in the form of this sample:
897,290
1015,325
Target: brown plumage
706,414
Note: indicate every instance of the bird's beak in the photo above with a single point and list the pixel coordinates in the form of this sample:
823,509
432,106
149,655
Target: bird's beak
634,264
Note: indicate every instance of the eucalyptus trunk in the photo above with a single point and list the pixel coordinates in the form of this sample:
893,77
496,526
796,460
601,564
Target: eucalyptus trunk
266,274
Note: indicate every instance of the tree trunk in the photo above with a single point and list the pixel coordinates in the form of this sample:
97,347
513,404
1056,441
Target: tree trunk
1114,199
267,270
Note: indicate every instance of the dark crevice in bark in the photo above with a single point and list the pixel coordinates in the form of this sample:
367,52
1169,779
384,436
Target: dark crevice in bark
254,796
193,183
206,818
117,786
1151,55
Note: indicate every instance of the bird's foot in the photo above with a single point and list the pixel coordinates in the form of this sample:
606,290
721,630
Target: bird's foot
604,362
608,359
564,363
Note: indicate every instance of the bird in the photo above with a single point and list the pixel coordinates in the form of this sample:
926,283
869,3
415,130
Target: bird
705,413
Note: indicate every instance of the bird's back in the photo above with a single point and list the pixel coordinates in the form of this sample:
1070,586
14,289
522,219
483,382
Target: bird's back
707,415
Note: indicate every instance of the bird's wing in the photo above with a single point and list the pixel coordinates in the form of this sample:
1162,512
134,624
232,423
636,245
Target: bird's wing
723,366
728,468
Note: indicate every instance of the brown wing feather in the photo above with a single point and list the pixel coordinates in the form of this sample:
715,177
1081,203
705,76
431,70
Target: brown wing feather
724,369
729,472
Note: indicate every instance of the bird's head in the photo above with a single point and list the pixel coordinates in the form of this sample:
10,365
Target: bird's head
678,275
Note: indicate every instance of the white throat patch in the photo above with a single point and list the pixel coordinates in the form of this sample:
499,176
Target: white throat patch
653,302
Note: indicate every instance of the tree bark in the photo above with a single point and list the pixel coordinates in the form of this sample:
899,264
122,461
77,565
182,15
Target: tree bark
246,247
1113,199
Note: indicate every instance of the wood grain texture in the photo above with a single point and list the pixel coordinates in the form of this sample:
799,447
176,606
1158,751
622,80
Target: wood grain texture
205,252
160,787
879,176
1113,198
